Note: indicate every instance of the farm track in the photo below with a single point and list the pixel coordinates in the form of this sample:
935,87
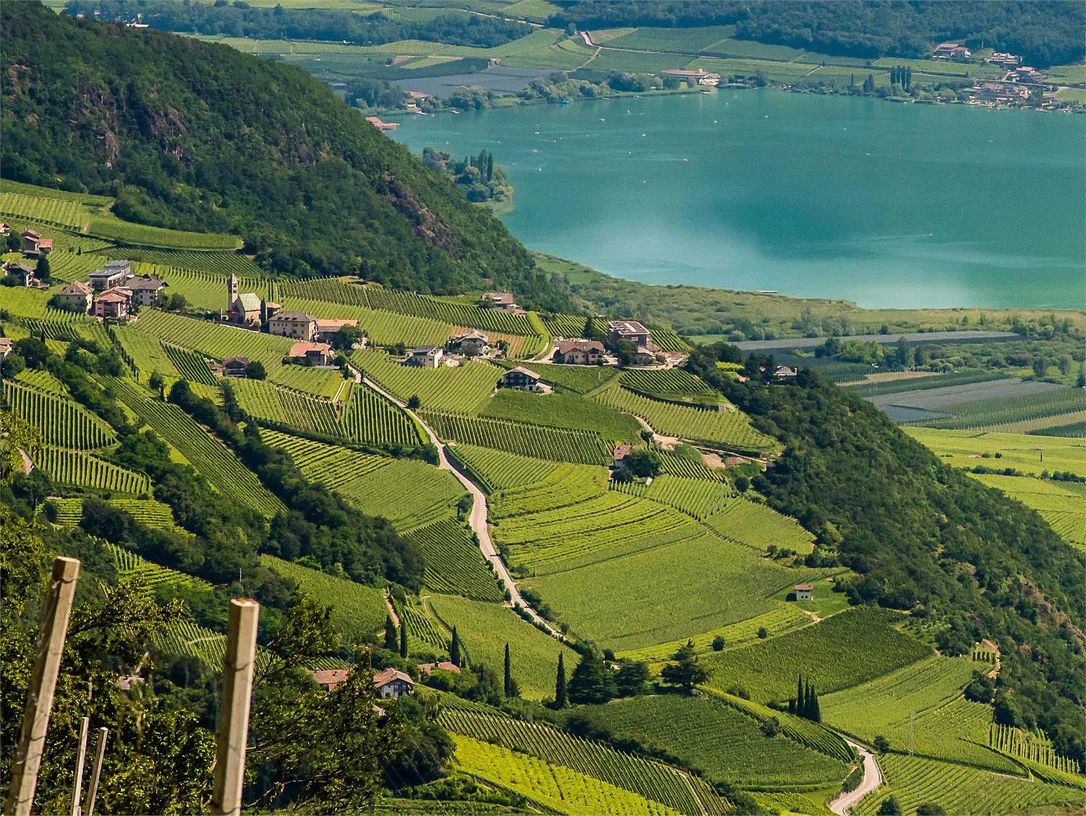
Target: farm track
872,779
478,517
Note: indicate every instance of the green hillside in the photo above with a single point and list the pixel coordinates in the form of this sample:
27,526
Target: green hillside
195,136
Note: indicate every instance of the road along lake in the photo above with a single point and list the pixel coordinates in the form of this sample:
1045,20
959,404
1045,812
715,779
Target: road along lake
816,196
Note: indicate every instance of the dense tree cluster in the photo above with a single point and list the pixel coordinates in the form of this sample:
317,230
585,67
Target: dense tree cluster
966,560
239,19
198,136
1046,33
478,176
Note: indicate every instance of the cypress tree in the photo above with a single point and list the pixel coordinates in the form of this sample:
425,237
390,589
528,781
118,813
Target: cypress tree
792,705
508,674
561,697
809,704
454,648
390,634
801,697
816,711
403,638
490,167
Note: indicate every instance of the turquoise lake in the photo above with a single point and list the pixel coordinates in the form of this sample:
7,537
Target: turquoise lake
814,196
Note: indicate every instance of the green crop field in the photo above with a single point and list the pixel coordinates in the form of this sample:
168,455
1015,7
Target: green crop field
146,352
382,328
898,386
190,365
217,464
682,589
695,497
1013,414
55,211
42,381
131,567
77,468
919,708
369,417
566,485
592,530
222,264
562,411
216,340
551,786
320,382
959,789
454,563
649,779
1035,748
845,650
670,382
485,628
585,447
673,464
1025,452
127,232
758,526
61,423
724,743
357,610
203,289
22,302
581,379
1061,504
282,406
730,428
497,470
458,388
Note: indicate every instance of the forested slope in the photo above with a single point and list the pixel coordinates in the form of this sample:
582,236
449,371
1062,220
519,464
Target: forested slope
198,136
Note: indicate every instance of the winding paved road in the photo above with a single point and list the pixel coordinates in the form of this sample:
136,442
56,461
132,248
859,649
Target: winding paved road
477,517
872,779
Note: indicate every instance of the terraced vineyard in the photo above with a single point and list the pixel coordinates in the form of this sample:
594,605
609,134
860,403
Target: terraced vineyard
1032,746
496,470
485,628
454,563
562,410
695,497
215,340
218,465
190,365
694,730
725,428
959,789
423,633
131,567
585,447
146,352
847,649
318,382
382,328
580,379
127,232
675,382
674,465
758,526
61,423
568,484
649,779
43,381
60,212
282,406
357,610
551,786
202,289
71,467
461,388
369,417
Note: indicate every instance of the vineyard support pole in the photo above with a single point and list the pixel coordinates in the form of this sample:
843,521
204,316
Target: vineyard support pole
96,773
237,684
80,761
43,682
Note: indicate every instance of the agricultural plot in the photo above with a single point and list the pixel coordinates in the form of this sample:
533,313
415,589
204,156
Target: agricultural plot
54,211
332,466
558,410
423,633
215,340
22,302
919,709
674,383
146,352
357,610
223,264
758,526
61,423
730,428
1028,453
593,530
1034,747
319,382
41,380
651,780
68,264
585,447
281,406
551,786
485,628
1061,504
908,384
842,651
497,470
217,464
726,744
566,485
127,232
382,328
571,326
71,467
449,388
190,365
689,468
201,288
959,789
454,563
131,567
188,638
683,589
695,497
581,379
784,617
987,406
369,417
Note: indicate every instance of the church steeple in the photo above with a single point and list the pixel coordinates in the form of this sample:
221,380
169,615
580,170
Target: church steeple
233,288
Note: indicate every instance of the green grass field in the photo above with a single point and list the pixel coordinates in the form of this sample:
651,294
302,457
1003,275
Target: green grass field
1061,504
845,650
562,411
1025,452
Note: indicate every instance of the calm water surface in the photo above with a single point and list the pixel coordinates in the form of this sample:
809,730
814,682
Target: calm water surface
887,205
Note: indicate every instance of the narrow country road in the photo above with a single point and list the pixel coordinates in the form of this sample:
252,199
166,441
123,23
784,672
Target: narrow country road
478,515
872,779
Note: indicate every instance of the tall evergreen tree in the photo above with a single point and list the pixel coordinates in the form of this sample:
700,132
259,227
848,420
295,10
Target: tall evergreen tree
592,681
561,698
490,167
454,648
801,697
403,638
816,711
391,641
508,674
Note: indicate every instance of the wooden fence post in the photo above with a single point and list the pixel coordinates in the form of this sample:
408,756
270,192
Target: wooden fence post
237,684
43,682
80,761
96,773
